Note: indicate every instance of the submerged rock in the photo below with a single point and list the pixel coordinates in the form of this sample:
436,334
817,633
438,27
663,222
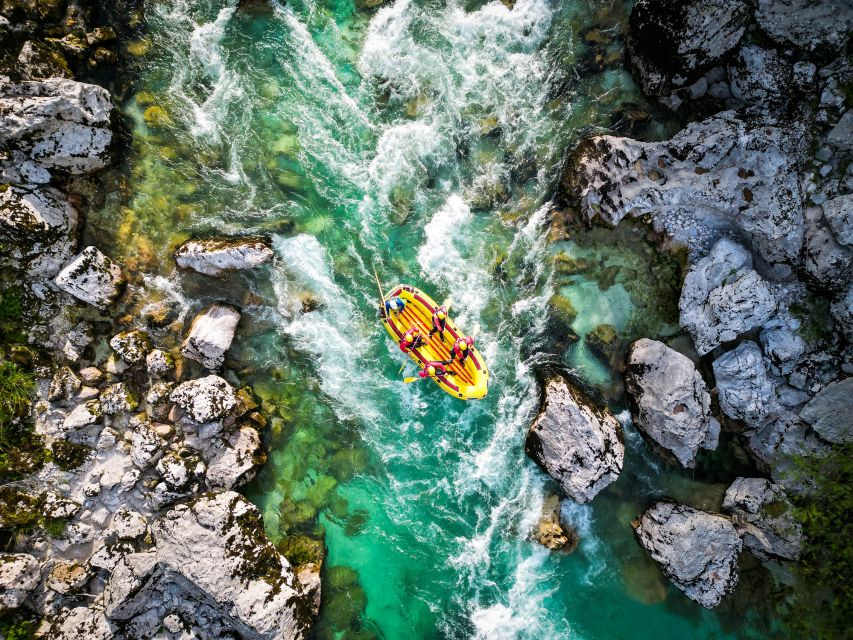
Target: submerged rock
219,256
669,400
698,551
763,515
205,399
19,576
210,335
575,442
830,412
723,297
671,42
58,123
92,278
716,177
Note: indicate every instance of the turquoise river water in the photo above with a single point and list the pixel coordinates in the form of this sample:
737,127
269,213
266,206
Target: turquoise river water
425,137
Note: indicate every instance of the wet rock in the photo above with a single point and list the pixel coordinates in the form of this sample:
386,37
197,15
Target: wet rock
672,42
210,335
19,576
237,459
550,532
745,391
160,364
783,348
669,400
812,25
39,61
697,551
205,399
763,516
131,346
830,412
827,262
717,176
92,278
604,340
38,229
217,543
576,442
219,256
58,123
838,213
723,298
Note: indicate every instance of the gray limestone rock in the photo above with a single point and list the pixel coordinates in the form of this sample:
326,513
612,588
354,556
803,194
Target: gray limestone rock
669,400
697,551
576,442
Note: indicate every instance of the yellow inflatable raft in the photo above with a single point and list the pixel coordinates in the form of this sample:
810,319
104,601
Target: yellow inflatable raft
469,381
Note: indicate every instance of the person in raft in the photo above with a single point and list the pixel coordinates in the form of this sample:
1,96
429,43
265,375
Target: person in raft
439,322
435,370
412,339
461,349
395,305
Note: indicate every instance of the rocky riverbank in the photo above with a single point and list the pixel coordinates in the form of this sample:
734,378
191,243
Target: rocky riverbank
117,513
757,188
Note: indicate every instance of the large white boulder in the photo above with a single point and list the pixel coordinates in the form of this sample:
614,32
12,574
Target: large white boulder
220,256
59,123
205,399
38,229
575,442
669,400
93,278
210,335
698,551
217,544
718,176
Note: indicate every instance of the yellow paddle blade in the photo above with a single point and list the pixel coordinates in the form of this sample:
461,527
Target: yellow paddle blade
413,379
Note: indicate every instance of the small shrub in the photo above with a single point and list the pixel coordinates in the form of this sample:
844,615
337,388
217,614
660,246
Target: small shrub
16,391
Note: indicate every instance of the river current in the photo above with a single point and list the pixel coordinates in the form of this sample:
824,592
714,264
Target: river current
425,138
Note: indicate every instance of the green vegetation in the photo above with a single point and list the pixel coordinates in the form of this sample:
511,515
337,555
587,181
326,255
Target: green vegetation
16,391
13,626
11,316
823,601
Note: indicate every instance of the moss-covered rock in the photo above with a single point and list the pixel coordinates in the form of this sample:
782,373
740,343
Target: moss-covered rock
68,456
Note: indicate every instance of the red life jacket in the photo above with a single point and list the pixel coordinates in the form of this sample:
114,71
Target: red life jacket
459,352
440,370
439,324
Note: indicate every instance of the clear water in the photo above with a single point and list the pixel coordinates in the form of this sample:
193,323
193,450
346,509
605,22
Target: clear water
426,139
